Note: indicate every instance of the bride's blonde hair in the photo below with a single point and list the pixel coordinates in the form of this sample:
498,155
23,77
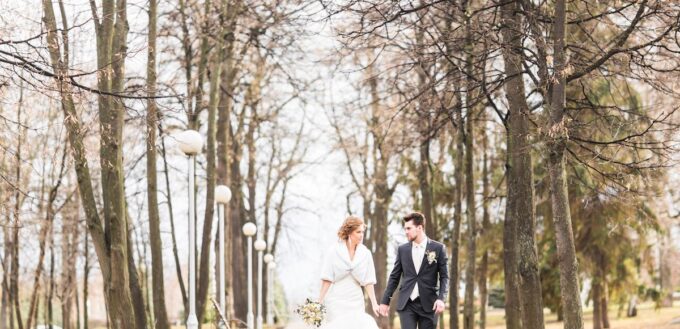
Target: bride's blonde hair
350,224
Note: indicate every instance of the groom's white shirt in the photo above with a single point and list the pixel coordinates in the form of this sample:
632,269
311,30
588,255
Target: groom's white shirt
417,252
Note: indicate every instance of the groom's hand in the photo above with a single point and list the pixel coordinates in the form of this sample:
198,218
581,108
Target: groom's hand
438,307
384,310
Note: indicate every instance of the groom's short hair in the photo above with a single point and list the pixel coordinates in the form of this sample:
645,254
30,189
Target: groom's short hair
416,217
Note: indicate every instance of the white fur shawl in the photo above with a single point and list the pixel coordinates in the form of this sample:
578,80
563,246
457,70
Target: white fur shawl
337,265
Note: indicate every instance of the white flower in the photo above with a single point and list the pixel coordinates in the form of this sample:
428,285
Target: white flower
431,257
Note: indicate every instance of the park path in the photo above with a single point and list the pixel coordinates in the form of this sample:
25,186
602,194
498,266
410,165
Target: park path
296,324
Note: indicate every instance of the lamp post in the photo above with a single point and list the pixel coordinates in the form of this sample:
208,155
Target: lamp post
272,269
222,196
269,260
191,142
260,246
249,229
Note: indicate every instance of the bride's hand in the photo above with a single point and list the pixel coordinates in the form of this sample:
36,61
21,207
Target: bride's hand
376,309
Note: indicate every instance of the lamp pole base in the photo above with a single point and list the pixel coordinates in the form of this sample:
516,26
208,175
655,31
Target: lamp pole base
251,320
192,322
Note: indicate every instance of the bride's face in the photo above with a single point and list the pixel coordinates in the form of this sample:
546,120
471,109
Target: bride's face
357,236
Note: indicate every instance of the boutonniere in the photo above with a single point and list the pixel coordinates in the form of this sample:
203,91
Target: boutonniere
431,257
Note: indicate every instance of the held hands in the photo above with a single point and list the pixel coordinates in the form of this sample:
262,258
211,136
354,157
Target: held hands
439,307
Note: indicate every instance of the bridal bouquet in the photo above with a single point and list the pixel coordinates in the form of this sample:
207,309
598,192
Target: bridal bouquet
312,313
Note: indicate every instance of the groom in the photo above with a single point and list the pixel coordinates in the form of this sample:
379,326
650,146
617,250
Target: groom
421,266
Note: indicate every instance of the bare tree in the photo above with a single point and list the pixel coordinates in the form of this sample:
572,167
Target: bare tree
110,236
152,118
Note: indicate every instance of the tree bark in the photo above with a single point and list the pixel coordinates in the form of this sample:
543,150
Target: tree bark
238,216
223,122
211,179
454,276
597,303
382,191
5,309
152,118
485,234
605,304
16,224
86,281
136,292
52,281
68,264
559,195
111,246
470,209
665,269
520,217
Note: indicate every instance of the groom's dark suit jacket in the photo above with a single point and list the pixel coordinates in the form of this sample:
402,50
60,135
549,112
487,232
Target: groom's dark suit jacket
427,277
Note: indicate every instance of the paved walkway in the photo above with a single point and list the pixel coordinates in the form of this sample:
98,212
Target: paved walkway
296,324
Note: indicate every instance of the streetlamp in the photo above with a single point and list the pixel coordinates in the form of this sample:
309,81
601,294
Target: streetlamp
269,260
249,229
260,246
191,142
222,196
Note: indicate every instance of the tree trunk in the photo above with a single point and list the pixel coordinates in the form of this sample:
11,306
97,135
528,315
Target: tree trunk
470,209
666,270
237,212
605,304
69,256
14,274
382,193
86,279
425,130
152,118
171,217
51,288
383,199
223,150
5,309
486,231
136,292
597,303
425,186
111,51
211,179
454,278
16,224
559,195
43,238
520,217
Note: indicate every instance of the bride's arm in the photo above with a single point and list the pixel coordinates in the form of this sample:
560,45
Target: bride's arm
325,284
371,296
371,293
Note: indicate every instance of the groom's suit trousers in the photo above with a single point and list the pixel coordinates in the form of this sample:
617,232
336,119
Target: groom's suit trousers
414,316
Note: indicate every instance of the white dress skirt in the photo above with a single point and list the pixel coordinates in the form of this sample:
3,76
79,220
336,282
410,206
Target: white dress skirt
345,306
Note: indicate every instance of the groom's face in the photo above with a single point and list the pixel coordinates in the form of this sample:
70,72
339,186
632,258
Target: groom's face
412,231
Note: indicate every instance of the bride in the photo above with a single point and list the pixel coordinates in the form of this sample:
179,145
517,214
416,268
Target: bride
347,268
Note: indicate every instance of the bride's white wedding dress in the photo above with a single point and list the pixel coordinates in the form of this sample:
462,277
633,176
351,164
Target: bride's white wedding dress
345,307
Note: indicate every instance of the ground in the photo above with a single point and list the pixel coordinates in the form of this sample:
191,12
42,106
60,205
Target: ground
647,317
